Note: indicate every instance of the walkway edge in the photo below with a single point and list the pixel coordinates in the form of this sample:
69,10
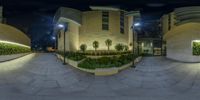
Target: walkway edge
15,57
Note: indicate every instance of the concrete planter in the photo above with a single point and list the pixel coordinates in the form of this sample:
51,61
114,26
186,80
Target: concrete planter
100,71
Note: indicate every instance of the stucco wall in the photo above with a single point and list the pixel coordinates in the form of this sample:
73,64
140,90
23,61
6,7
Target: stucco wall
12,34
91,29
72,14
179,42
71,36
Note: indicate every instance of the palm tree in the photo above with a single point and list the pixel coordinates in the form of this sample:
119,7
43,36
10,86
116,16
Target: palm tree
95,45
108,43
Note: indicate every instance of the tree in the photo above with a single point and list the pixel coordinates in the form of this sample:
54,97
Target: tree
108,43
83,47
119,47
95,45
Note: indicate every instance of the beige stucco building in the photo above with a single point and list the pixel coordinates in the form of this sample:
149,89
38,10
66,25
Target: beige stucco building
98,24
10,34
181,28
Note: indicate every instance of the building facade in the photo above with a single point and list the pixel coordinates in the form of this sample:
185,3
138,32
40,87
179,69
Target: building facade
10,34
98,24
181,30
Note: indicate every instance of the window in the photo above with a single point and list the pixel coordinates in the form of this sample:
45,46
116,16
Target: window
122,22
169,22
105,20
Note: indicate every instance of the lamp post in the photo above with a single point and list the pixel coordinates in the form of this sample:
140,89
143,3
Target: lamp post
64,27
135,25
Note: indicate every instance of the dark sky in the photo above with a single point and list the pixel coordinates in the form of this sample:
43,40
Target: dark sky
34,17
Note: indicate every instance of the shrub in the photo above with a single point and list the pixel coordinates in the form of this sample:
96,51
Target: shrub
106,62
72,55
119,47
108,43
196,48
95,45
75,56
7,49
83,47
126,48
104,53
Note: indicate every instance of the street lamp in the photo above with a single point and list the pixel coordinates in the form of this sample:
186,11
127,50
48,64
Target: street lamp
135,25
64,27
54,38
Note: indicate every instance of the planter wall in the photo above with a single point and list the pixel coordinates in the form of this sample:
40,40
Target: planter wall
100,71
4,58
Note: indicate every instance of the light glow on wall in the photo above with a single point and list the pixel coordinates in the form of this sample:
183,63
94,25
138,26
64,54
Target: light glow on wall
14,43
196,41
193,42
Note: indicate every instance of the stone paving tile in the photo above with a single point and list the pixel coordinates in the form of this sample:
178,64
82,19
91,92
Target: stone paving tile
43,77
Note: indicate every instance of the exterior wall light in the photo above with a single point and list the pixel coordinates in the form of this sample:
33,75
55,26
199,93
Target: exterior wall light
53,38
61,26
137,24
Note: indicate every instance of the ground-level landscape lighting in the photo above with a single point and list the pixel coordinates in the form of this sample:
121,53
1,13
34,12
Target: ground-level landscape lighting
9,42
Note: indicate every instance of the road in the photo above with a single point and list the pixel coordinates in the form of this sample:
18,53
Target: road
42,76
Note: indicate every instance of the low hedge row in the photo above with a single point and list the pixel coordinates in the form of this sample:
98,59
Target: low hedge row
104,53
97,53
73,55
106,62
8,49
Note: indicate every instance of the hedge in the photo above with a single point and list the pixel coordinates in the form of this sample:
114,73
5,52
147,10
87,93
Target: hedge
196,48
106,62
72,55
8,49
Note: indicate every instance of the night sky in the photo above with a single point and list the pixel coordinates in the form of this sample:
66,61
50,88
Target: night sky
34,17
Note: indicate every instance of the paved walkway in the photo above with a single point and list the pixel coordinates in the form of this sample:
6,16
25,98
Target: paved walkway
43,77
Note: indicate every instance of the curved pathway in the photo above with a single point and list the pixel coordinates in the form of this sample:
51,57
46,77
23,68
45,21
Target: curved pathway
43,77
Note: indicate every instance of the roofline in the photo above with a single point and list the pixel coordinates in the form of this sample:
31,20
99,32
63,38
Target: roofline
104,8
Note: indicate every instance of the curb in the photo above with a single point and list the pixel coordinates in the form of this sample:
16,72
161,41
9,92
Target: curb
15,58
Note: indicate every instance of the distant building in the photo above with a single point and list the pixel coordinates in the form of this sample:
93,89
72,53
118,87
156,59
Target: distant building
99,24
181,30
150,38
